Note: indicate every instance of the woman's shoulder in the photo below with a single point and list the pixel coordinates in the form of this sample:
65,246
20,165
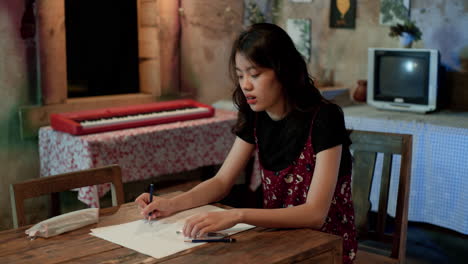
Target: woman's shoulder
329,119
329,128
330,108
330,112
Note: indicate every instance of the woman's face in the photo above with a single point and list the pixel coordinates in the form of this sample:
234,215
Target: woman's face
261,88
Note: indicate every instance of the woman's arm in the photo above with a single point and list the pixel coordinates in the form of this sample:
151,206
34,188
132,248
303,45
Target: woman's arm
209,191
311,214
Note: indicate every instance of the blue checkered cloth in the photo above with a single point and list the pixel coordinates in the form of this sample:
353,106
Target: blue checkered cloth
439,173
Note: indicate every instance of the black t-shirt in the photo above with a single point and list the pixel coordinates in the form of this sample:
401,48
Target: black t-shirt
280,142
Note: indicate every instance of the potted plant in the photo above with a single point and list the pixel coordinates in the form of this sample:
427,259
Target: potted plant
408,33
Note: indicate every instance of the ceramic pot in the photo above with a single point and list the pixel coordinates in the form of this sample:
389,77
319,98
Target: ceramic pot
406,40
360,93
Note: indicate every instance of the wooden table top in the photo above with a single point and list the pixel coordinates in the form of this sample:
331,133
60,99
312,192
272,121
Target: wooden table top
258,245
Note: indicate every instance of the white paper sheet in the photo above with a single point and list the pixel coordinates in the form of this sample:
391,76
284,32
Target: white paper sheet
158,238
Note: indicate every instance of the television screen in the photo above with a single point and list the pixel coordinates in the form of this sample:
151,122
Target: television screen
402,76
403,79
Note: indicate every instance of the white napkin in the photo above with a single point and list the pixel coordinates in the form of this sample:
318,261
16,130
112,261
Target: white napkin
64,223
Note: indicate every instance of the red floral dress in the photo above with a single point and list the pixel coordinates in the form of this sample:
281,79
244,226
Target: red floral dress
289,187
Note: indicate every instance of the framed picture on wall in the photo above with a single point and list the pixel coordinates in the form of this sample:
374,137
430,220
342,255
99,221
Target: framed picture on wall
343,13
300,32
258,11
394,11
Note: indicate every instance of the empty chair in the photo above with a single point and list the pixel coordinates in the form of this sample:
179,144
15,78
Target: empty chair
63,182
365,146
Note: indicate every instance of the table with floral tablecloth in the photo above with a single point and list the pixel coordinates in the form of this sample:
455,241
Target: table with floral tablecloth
142,152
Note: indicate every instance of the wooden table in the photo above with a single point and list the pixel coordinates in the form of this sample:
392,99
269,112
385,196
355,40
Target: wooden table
258,245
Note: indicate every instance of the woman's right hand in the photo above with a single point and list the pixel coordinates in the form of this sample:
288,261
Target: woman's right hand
159,207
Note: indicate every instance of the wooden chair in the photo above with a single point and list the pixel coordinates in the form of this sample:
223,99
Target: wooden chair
365,146
63,182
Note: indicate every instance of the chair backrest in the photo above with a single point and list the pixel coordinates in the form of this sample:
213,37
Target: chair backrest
63,182
365,146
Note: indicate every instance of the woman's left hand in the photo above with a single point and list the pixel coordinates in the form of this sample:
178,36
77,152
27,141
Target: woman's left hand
200,224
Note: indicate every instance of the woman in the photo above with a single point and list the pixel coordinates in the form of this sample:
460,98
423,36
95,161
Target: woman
301,141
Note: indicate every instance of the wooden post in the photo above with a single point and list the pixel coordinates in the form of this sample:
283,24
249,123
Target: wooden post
52,51
148,47
170,30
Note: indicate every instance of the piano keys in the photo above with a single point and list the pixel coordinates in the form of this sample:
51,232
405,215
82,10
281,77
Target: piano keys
114,118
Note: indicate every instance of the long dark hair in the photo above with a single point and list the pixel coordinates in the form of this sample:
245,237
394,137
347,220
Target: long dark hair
269,46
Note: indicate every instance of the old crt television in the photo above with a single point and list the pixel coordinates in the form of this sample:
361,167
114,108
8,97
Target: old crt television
403,79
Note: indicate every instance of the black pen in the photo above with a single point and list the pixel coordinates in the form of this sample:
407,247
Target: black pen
151,190
225,240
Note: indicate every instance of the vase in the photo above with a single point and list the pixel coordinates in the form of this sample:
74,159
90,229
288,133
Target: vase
360,93
406,40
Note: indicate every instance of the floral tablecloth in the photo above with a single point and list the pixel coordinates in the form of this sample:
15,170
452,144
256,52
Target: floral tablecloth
142,152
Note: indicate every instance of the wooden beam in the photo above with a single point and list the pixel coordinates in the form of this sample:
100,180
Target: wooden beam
170,30
52,51
149,53
150,77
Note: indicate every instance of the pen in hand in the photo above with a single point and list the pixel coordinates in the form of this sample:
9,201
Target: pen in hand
151,190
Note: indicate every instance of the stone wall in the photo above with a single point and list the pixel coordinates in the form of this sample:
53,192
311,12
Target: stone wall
344,51
19,158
